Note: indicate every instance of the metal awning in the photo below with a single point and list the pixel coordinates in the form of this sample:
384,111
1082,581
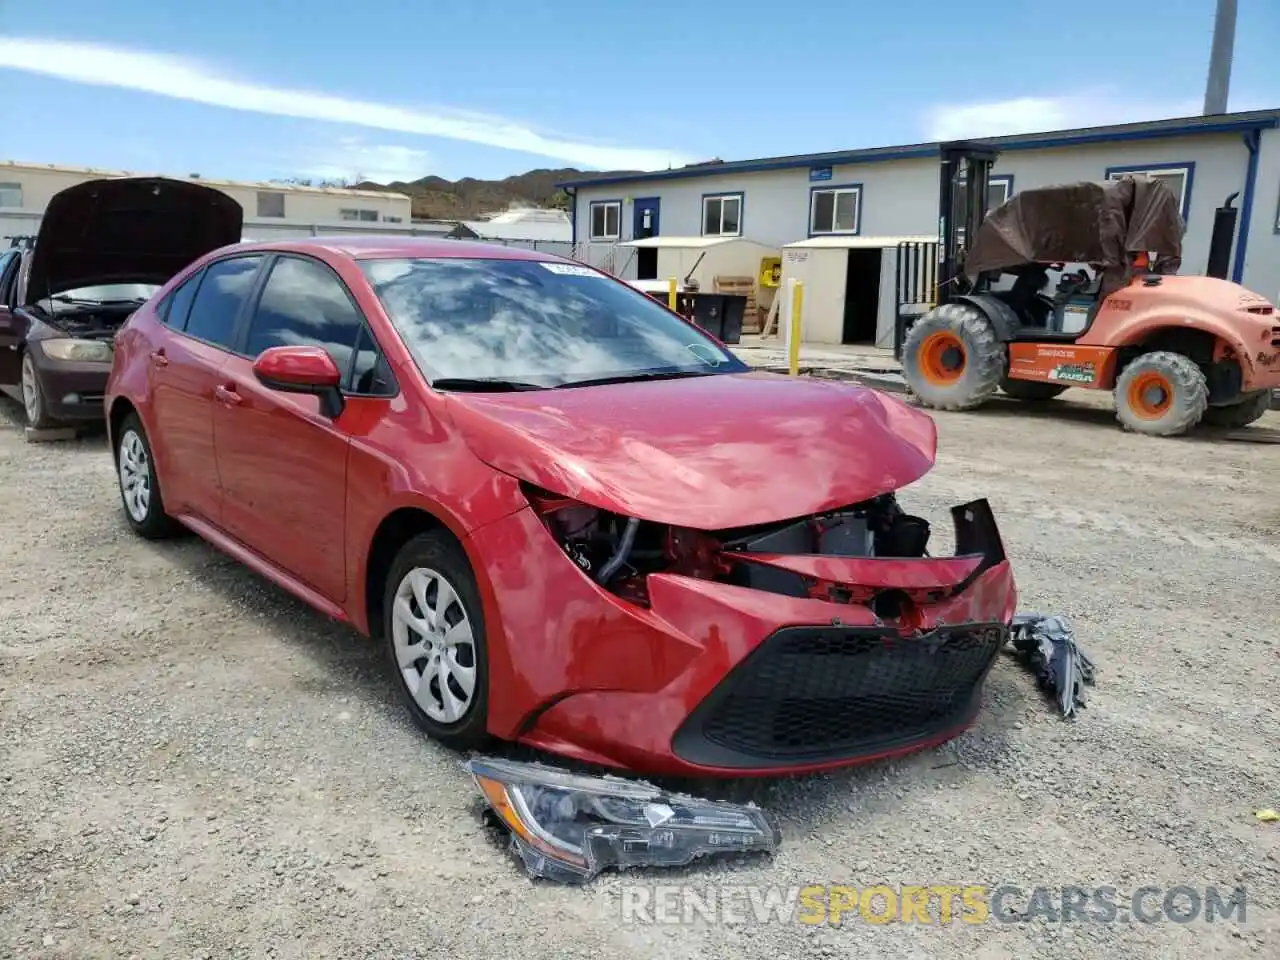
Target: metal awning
841,242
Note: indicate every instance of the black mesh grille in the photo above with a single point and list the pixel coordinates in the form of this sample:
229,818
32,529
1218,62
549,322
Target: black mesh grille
819,693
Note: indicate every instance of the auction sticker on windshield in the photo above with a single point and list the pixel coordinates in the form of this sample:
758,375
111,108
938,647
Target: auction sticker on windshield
570,269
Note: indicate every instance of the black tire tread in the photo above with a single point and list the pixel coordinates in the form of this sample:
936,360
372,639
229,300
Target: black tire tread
1190,394
985,358
1239,414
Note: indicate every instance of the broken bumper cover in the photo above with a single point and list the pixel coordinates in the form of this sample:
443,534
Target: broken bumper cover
717,679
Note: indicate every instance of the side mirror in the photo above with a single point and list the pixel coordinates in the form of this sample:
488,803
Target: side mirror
302,370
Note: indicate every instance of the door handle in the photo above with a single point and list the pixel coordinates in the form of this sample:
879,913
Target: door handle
159,359
227,395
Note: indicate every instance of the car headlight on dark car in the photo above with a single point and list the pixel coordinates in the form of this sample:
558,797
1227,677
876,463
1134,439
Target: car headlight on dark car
78,351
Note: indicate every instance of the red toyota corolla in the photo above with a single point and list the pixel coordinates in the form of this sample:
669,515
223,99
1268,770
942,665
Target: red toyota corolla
574,519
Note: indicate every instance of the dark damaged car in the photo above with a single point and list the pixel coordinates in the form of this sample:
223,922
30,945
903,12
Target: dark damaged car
104,247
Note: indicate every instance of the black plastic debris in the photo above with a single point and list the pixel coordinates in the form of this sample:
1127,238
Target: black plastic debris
1047,647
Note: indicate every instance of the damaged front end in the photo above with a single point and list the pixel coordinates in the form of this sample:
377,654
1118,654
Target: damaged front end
871,647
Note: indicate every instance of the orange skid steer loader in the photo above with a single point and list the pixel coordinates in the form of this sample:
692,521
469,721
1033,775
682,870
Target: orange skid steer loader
1175,350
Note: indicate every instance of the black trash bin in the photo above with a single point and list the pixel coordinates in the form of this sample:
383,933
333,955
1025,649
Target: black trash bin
720,314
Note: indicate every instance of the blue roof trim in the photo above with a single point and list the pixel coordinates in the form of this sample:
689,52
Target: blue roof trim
1200,127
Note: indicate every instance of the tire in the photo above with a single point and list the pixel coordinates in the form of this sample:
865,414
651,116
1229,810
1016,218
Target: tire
429,561
1241,413
33,403
139,486
1161,394
952,359
1030,390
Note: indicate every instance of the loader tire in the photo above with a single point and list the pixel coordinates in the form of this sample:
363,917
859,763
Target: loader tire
1239,414
1161,394
1030,390
952,359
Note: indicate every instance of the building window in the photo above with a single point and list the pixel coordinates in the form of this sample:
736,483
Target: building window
722,215
10,195
999,190
835,209
1176,176
366,216
270,204
394,219
606,220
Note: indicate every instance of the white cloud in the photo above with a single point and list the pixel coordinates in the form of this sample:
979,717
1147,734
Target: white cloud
191,80
354,159
1040,114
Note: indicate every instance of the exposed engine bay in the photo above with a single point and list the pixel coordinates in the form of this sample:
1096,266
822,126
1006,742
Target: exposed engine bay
88,321
787,557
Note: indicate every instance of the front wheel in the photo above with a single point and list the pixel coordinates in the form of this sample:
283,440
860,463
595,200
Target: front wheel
434,628
1239,414
1161,394
33,404
952,359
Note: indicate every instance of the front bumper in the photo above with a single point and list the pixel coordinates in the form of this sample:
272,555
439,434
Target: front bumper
715,679
73,392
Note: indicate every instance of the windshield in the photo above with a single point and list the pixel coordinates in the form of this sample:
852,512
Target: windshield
538,323
102,293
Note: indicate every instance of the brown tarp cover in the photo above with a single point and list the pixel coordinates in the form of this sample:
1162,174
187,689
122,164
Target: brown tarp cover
1093,223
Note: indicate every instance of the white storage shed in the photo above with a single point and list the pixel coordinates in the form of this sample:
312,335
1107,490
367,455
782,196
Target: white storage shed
849,287
700,259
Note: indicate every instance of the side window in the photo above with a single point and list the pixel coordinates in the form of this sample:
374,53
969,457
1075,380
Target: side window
226,286
371,375
177,305
304,303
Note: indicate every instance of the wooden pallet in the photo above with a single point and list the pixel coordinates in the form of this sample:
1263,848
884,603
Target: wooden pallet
742,287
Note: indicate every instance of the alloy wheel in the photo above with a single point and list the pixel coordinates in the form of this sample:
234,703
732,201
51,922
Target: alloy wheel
135,476
30,390
434,645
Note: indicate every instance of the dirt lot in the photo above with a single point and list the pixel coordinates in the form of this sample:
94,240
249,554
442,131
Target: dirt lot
194,765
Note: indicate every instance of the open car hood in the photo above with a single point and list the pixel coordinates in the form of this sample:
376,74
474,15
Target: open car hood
710,453
128,230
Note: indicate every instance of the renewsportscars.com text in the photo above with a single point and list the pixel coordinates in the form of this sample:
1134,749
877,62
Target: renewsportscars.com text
932,904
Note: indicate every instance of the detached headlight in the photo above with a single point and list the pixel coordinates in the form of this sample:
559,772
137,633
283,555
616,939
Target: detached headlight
80,351
568,827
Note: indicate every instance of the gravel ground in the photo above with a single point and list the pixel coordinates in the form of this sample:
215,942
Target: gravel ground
194,765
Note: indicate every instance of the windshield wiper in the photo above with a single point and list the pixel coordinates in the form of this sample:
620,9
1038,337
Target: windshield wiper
90,302
643,375
484,384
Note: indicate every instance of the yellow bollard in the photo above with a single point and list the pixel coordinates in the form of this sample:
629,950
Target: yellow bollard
797,299
671,293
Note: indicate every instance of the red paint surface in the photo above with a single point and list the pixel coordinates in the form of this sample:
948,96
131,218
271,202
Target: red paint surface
299,498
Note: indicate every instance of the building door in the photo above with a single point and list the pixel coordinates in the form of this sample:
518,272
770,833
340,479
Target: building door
646,225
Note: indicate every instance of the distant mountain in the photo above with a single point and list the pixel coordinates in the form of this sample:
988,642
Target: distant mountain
435,198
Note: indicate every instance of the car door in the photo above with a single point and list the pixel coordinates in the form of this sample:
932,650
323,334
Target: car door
283,463
10,330
201,319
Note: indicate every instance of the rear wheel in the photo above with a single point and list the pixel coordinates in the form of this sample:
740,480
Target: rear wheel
1030,390
139,487
952,359
1161,394
1239,414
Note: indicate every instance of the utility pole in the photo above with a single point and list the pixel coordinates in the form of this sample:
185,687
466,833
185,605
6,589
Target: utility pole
1224,41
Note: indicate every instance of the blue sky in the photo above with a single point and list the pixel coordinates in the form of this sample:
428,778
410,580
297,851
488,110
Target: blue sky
489,88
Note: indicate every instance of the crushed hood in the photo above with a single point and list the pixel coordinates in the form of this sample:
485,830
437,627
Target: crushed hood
709,453
128,230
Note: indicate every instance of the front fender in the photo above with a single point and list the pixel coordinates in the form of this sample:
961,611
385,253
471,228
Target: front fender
1251,341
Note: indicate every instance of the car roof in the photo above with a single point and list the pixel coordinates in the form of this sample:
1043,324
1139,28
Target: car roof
385,246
